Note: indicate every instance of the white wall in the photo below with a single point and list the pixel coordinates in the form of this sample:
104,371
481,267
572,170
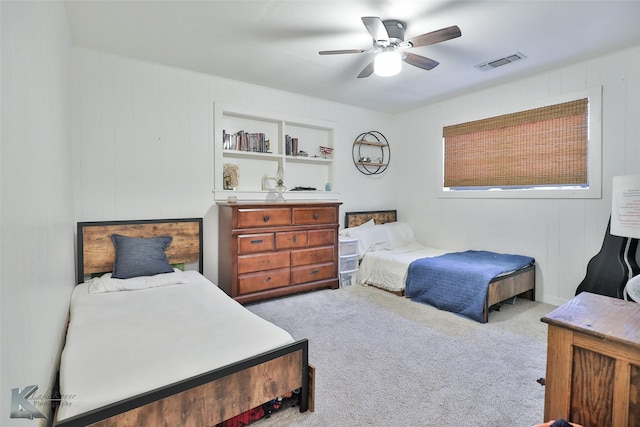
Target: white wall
142,141
562,234
140,146
142,138
36,228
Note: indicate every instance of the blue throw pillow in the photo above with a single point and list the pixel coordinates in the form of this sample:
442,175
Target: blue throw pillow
138,256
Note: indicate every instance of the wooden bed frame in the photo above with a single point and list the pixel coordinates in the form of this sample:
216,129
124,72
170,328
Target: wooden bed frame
206,399
520,283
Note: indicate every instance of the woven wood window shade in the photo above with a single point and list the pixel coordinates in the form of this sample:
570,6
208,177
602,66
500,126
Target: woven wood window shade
540,147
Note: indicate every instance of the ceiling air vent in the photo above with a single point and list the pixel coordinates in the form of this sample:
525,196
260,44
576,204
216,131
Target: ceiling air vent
490,65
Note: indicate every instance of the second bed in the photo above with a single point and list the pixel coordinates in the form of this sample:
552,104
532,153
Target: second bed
388,257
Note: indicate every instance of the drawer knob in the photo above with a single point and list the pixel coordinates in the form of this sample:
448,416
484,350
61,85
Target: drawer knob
315,272
268,279
315,215
256,242
295,239
267,218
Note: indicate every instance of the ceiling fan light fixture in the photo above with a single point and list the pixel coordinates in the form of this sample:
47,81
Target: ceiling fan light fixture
389,43
387,63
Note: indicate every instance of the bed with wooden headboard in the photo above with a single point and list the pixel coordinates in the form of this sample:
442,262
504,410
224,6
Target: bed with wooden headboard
376,267
183,320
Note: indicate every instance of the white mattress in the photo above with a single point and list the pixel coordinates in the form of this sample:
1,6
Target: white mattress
120,344
387,269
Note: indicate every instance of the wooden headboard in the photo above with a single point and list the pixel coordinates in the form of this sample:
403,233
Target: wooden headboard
96,253
351,219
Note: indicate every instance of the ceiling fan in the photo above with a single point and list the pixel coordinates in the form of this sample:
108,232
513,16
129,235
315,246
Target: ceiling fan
389,45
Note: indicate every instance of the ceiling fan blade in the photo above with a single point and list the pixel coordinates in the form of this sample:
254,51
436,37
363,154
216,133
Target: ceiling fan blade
340,52
419,61
376,28
436,36
366,71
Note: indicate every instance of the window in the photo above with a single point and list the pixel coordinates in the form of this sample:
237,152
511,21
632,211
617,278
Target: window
545,148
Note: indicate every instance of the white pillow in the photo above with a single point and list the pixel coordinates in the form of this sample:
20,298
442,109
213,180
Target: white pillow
399,234
371,239
347,231
106,283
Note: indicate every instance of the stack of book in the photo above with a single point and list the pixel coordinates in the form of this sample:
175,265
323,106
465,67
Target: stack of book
245,141
291,146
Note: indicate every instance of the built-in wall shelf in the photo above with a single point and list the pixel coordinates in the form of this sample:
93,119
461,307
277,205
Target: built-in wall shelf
267,146
371,153
312,160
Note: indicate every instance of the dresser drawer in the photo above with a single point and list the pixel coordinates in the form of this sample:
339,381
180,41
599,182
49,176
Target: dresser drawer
254,282
313,256
317,215
322,237
250,243
262,244
251,218
291,240
260,262
311,273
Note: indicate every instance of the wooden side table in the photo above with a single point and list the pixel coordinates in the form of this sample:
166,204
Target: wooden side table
593,362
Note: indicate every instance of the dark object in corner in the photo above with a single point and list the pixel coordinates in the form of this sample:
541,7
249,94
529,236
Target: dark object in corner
560,422
608,271
264,411
304,189
541,381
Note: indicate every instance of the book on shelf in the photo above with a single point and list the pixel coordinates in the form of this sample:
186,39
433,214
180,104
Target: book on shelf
245,141
291,146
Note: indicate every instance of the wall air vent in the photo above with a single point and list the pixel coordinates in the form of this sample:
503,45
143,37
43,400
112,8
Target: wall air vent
490,65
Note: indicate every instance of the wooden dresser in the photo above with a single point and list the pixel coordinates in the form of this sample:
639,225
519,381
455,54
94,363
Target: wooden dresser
267,250
593,362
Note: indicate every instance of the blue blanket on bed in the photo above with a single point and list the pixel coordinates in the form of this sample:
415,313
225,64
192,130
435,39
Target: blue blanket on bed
458,281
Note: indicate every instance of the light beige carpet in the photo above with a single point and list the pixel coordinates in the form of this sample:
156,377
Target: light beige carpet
383,360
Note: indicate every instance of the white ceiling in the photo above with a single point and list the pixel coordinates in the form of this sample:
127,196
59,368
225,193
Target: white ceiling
275,43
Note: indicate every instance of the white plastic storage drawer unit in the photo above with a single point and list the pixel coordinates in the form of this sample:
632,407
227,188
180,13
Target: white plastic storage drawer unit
348,260
348,246
348,278
348,263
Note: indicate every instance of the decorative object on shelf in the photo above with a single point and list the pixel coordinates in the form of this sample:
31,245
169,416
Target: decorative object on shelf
269,183
327,186
325,151
366,147
230,176
280,188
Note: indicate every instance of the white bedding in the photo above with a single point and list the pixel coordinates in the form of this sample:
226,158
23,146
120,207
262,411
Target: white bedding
120,344
387,269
